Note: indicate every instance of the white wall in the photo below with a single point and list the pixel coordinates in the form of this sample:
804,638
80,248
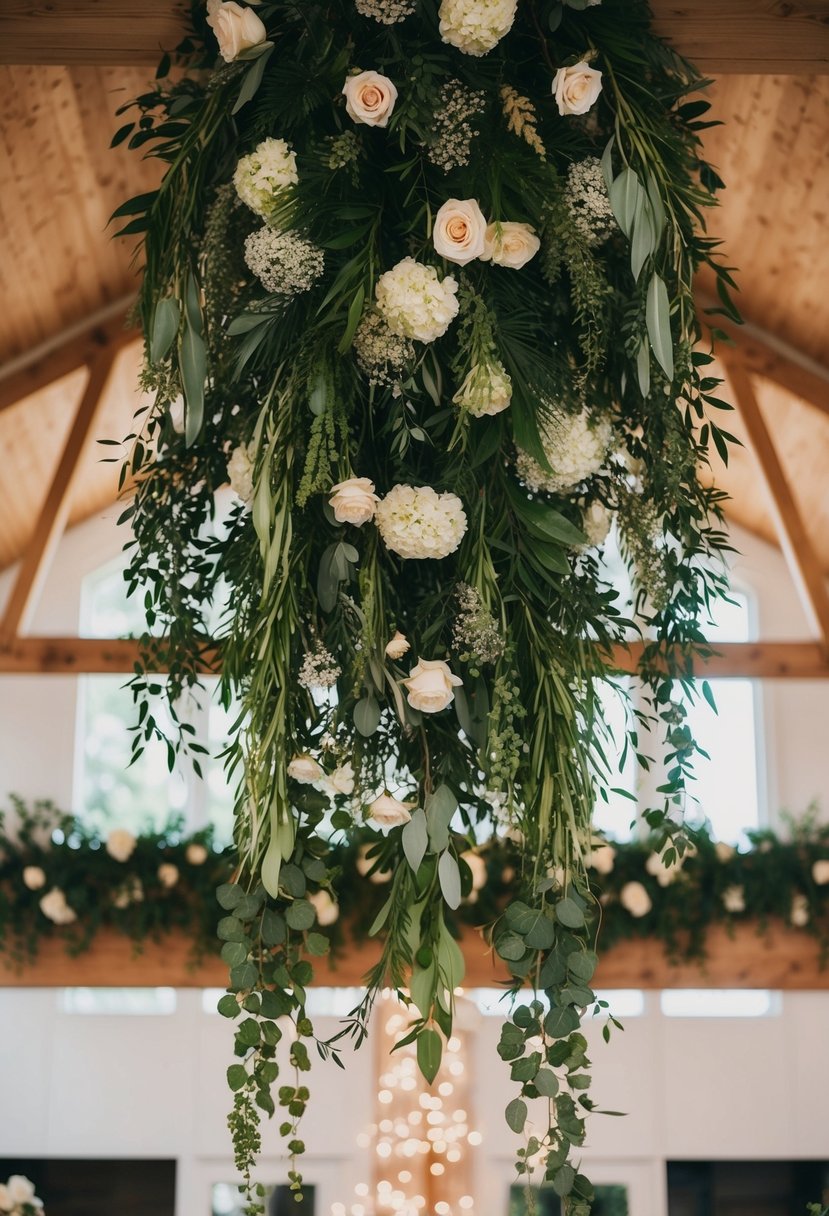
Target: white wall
141,1086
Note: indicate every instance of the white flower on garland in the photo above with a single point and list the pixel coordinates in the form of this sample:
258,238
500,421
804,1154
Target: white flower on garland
487,389
476,26
575,446
431,685
240,472
327,910
820,872
168,875
388,12
283,262
416,302
510,244
263,173
55,908
196,854
18,1198
131,892
305,770
596,521
381,354
460,230
417,522
236,28
120,844
397,646
33,879
576,88
799,912
634,899
341,781
664,874
724,851
734,899
602,858
588,201
369,98
319,669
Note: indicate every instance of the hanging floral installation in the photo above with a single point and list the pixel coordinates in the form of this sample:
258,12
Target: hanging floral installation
418,283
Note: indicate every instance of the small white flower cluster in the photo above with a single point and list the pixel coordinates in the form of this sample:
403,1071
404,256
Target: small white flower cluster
387,12
416,302
596,522
476,26
261,174
18,1198
319,669
588,200
417,522
284,262
381,354
240,472
487,389
575,446
452,129
475,632
343,150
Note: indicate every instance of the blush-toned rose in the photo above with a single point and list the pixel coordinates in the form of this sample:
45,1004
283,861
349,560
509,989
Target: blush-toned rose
397,646
431,686
53,905
820,872
196,854
327,909
120,844
576,88
634,898
370,98
236,28
168,874
510,244
33,878
390,812
460,231
354,501
341,781
305,770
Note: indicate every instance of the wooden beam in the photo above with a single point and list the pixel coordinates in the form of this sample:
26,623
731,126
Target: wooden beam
732,660
738,957
74,348
720,36
55,510
801,558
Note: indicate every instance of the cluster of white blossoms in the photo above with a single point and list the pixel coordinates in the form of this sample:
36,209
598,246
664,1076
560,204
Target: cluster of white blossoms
416,302
381,354
588,200
575,446
387,12
475,632
263,173
319,669
18,1198
283,262
596,522
417,522
476,26
487,389
240,472
452,130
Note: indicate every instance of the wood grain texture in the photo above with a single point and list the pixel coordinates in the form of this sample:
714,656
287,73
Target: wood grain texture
783,958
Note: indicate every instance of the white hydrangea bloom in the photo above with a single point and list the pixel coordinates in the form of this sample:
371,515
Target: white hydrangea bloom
283,262
240,472
261,174
487,389
416,302
389,12
588,200
575,446
417,522
476,26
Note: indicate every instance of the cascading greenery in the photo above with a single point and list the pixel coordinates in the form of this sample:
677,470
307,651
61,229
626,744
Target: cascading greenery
418,279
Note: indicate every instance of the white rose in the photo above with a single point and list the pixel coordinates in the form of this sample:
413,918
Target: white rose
327,909
120,844
54,907
364,863
820,872
799,915
305,770
602,858
510,244
341,780
353,501
430,686
576,88
460,230
236,28
34,878
398,646
477,865
635,899
168,874
390,812
369,98
724,851
733,899
664,874
20,1189
196,854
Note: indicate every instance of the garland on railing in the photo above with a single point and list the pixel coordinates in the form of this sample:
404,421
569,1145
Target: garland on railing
418,281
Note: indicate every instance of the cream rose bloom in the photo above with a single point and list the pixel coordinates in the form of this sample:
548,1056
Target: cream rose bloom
21,1190
799,914
460,230
390,812
664,874
820,873
510,244
305,770
477,865
327,909
397,646
168,874
634,899
576,88
354,501
430,686
369,98
341,781
236,28
33,878
120,844
733,899
602,858
724,851
196,854
55,908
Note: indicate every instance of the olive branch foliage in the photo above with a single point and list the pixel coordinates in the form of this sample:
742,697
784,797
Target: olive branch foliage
613,325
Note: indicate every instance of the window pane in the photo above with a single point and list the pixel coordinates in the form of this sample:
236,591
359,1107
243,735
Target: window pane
726,785
718,1003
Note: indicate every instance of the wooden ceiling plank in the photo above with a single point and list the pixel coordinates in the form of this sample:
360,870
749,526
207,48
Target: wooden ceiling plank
721,36
795,542
55,510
